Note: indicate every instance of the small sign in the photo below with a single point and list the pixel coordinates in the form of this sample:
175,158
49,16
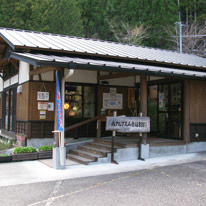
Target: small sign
128,124
42,105
43,96
42,114
50,106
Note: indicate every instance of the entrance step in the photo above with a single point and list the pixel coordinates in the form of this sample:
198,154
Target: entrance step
79,159
93,150
99,146
88,155
107,142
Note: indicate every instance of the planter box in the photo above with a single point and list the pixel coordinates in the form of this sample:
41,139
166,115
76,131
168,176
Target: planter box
45,154
25,156
5,159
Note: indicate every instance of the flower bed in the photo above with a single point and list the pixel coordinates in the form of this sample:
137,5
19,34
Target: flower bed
5,158
24,153
45,152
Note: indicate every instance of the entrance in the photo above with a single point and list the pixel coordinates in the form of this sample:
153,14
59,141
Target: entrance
165,109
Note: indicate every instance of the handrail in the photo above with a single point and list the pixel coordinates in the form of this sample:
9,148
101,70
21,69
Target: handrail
84,122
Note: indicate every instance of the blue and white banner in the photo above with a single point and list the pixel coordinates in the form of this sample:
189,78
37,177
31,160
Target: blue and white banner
59,104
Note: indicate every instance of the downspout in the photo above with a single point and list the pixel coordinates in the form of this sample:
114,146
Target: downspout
61,148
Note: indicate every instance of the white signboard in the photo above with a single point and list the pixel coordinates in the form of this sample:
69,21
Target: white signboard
43,96
128,124
50,106
42,105
112,101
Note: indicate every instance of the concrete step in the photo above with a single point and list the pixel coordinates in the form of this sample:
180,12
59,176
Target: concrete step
79,159
108,142
157,144
88,155
93,150
100,146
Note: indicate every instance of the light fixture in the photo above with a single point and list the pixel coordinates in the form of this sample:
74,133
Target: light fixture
66,106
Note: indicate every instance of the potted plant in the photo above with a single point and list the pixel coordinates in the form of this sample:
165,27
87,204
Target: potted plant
5,158
21,139
45,152
24,153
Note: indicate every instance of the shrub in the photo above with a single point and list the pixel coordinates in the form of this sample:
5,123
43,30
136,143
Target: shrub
19,150
5,155
45,148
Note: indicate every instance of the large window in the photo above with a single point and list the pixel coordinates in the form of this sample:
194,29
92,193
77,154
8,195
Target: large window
9,109
165,109
80,101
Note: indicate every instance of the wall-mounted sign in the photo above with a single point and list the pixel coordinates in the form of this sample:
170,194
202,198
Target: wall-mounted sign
128,124
43,96
42,105
42,114
50,106
112,101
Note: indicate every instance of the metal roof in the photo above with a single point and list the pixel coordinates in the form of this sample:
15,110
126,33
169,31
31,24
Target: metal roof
53,42
64,61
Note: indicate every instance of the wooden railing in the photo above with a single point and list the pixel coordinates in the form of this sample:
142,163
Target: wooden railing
99,119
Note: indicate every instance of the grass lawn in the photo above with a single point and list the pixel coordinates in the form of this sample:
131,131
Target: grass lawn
3,147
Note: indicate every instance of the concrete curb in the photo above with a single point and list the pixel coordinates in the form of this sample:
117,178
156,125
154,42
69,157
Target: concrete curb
35,171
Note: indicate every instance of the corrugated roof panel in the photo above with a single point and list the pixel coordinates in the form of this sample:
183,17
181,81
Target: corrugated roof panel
109,64
90,46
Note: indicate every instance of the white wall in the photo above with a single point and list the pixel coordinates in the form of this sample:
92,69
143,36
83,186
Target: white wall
82,76
23,72
1,84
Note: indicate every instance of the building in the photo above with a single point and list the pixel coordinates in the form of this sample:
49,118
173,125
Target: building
167,86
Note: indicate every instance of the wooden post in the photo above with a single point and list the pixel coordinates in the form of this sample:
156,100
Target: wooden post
143,100
186,119
99,125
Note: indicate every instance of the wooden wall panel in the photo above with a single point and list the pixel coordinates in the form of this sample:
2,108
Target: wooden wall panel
22,103
197,101
1,95
34,87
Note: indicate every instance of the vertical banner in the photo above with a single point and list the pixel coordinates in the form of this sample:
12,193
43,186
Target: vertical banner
58,104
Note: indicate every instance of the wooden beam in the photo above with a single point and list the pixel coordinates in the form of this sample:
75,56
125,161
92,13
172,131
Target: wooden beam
114,76
31,67
15,65
186,120
143,100
42,70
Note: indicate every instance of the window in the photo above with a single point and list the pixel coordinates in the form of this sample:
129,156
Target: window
9,109
79,101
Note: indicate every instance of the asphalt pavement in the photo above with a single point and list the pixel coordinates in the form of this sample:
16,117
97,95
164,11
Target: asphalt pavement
174,185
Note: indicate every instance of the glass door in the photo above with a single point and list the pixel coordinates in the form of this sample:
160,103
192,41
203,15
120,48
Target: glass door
165,109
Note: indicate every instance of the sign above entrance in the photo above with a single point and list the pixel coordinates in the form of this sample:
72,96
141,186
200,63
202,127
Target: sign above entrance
128,124
43,96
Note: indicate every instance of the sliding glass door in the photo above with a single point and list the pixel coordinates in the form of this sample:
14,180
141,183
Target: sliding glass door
165,109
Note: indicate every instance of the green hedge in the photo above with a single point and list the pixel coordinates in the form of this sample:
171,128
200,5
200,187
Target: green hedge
19,150
45,148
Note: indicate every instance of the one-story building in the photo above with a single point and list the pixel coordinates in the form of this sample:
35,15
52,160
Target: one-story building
167,86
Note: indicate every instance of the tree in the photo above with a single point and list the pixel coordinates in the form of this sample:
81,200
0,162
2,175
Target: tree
56,16
193,40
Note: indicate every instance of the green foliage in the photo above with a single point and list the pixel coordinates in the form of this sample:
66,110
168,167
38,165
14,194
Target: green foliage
55,16
20,150
98,18
45,148
5,155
